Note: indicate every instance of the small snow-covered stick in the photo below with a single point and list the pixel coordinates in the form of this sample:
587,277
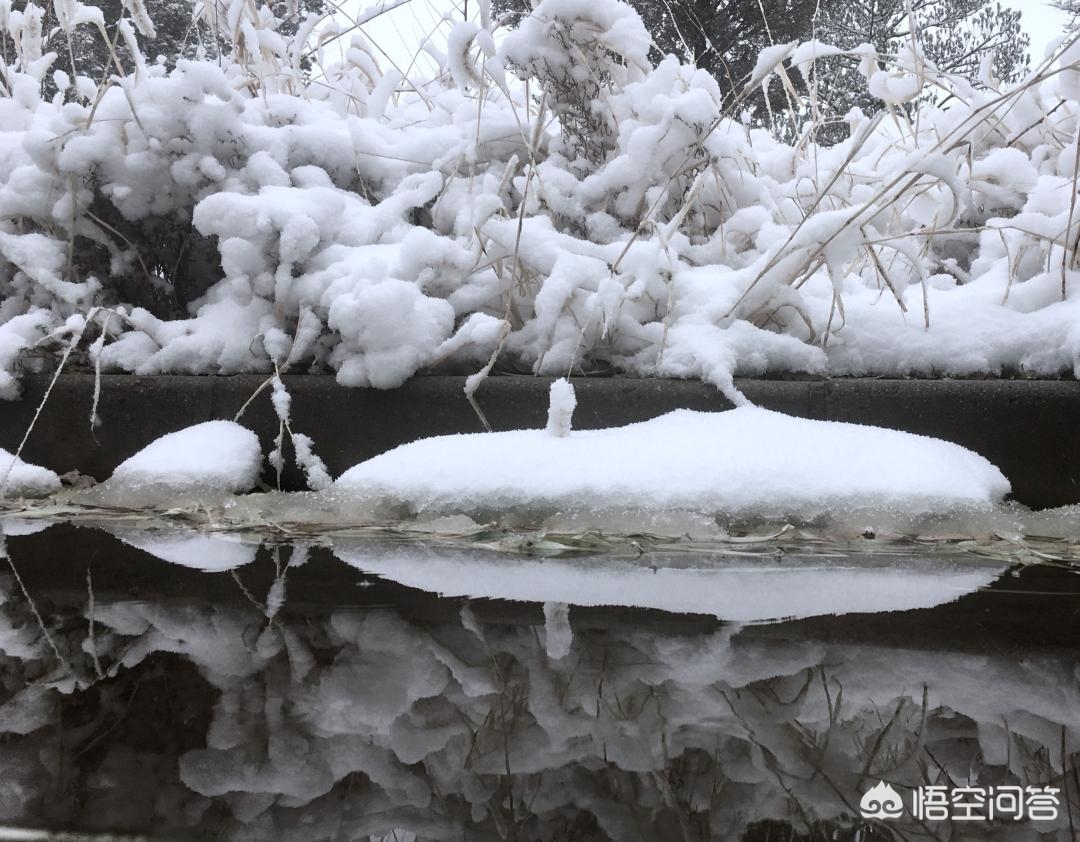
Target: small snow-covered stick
1069,224
5,555
282,401
95,352
77,336
313,467
90,640
561,403
473,381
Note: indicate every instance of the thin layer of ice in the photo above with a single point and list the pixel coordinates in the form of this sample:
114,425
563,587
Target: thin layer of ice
744,461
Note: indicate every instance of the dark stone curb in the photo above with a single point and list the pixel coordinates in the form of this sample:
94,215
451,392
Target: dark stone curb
1029,428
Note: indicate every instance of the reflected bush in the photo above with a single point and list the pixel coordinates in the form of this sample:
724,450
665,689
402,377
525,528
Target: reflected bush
249,723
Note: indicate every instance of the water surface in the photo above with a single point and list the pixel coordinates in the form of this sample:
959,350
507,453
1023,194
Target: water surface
385,689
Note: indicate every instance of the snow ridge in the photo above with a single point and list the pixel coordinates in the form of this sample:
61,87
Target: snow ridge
747,462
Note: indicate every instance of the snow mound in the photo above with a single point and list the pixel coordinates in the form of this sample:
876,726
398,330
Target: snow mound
21,479
747,461
208,459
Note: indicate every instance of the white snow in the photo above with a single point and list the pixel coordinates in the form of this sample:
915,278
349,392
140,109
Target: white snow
561,404
747,461
21,479
214,458
373,225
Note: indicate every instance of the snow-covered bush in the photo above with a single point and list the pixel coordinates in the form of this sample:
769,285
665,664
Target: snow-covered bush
292,207
581,53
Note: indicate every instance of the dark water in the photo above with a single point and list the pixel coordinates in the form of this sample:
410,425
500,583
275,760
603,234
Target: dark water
300,697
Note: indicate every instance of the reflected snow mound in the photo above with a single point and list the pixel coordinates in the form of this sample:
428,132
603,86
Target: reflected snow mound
740,587
199,551
346,723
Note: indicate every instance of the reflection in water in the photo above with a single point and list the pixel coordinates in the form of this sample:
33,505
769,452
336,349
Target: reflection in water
296,699
741,587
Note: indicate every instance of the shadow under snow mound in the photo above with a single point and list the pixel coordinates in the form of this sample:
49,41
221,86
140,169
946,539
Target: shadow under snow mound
746,461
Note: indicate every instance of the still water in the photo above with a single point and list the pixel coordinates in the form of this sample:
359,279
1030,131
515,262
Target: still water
205,688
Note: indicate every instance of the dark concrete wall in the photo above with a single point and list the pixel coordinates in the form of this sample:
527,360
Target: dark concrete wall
1030,429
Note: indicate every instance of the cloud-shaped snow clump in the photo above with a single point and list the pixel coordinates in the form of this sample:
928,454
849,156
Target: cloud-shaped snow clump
206,460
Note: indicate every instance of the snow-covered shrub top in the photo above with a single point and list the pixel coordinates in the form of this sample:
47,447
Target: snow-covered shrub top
239,215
